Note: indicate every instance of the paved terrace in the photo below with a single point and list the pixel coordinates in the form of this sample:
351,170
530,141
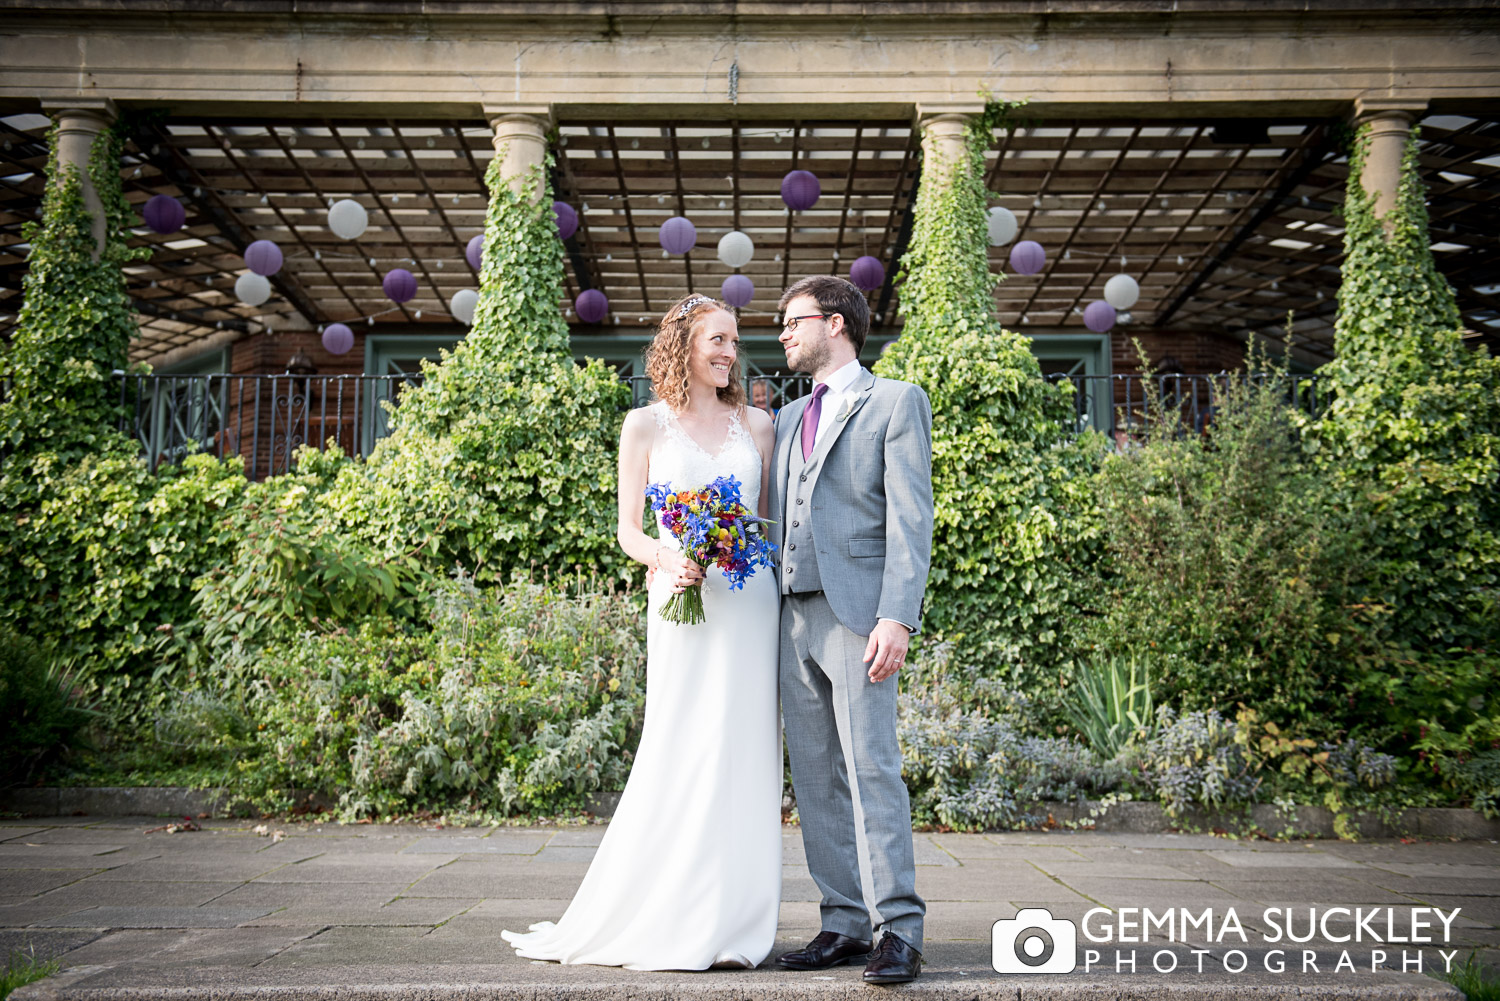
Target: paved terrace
414,912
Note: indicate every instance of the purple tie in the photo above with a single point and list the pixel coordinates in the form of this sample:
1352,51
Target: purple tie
810,421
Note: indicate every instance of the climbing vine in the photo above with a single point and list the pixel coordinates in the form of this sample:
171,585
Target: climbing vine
1412,437
1012,525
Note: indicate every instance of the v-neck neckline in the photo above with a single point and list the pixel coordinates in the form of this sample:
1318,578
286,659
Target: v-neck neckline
734,419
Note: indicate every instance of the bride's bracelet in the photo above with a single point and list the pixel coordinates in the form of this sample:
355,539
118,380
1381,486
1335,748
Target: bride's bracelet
659,549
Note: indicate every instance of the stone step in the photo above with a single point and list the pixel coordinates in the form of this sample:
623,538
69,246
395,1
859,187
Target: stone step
954,972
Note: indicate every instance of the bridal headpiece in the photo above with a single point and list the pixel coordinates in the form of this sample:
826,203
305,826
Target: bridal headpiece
692,302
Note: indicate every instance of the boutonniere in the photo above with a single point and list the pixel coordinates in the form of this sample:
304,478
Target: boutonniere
846,410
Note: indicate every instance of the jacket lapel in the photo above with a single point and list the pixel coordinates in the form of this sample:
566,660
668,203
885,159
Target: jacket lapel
862,388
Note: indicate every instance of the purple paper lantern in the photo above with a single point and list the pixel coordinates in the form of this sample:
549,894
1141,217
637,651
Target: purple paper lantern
263,257
1099,316
867,273
678,235
592,306
800,190
164,214
567,219
737,290
399,284
474,252
337,339
1028,257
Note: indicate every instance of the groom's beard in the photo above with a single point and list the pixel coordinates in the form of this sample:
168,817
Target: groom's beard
811,357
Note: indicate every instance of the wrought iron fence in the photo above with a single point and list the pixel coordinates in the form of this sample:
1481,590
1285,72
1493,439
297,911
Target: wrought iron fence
264,418
1117,404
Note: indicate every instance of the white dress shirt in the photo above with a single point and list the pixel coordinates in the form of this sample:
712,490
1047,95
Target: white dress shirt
840,392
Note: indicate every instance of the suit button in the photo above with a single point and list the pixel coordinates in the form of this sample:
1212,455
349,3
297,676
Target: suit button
792,546
796,524
799,500
790,569
802,477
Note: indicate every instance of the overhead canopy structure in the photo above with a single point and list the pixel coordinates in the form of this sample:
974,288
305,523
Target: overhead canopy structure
1219,196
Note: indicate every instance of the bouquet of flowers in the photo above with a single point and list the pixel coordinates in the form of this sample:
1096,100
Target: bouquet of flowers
714,527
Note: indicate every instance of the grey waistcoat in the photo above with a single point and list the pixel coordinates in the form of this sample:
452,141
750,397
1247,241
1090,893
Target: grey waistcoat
799,557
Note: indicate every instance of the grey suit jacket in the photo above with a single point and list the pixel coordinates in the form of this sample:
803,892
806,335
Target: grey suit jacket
871,500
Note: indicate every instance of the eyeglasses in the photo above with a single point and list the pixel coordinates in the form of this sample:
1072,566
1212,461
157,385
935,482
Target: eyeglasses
791,321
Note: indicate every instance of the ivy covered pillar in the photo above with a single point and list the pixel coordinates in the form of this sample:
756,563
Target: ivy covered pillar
1390,123
80,122
76,318
520,139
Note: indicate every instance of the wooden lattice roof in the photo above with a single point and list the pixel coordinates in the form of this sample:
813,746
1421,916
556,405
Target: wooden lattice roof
1226,225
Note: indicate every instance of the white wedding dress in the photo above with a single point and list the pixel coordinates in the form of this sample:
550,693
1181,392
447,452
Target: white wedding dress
688,875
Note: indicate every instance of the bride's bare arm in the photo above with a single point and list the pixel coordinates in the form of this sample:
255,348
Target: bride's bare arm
635,454
763,430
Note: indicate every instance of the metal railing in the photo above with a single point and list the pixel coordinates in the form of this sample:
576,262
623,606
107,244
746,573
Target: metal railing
265,418
1118,404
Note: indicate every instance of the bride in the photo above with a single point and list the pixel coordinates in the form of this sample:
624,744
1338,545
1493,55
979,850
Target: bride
688,874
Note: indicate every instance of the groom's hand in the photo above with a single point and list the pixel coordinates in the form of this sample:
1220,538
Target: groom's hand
887,647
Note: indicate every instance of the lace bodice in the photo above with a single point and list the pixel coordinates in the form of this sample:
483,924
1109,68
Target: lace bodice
679,460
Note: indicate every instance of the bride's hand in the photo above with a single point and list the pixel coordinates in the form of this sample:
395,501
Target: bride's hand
685,573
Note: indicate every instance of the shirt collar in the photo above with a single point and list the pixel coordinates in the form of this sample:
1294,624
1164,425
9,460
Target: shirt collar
844,379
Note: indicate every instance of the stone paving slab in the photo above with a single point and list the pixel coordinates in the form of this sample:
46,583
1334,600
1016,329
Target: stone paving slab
153,917
402,911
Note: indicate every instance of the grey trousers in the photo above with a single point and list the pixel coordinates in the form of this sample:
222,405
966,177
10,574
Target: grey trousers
846,772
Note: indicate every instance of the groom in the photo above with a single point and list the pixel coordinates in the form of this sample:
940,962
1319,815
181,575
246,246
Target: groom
852,492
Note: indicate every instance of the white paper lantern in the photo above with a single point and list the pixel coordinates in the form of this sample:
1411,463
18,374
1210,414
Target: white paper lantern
348,219
462,305
1002,226
736,249
1121,291
252,289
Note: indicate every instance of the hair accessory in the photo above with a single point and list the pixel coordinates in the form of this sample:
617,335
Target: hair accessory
687,307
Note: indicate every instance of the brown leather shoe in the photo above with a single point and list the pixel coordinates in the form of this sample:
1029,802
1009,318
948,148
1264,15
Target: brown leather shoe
893,962
827,949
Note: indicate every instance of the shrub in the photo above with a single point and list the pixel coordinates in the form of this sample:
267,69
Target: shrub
290,567
967,761
38,703
1226,567
525,696
1195,761
102,564
1439,714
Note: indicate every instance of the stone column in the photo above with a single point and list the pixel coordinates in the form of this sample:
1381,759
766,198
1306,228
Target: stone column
1390,126
521,139
943,146
79,122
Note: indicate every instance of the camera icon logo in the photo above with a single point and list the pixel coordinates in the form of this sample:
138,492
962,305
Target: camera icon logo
1034,942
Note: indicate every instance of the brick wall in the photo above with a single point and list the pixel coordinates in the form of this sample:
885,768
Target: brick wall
1198,352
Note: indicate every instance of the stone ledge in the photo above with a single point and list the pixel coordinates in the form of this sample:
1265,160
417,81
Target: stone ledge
175,801
1135,817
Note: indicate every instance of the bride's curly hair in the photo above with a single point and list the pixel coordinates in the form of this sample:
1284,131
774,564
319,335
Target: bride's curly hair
667,354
